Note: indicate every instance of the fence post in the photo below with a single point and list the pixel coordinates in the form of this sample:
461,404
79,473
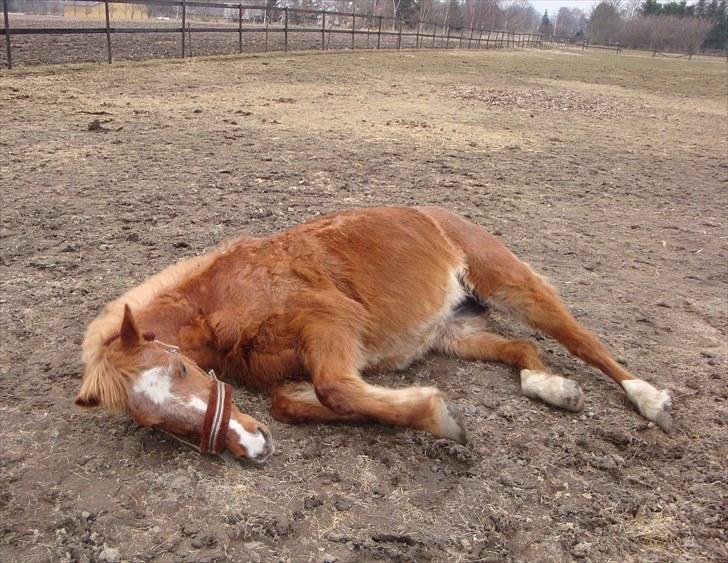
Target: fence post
417,37
470,40
108,29
379,33
240,28
353,28
184,18
189,37
267,23
447,44
285,29
323,30
399,36
7,33
480,36
434,34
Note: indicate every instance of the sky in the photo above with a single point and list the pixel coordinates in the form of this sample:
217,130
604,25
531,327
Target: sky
553,5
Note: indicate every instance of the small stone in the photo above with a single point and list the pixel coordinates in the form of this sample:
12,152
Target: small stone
282,526
581,549
604,462
110,555
343,504
85,515
311,502
328,558
506,480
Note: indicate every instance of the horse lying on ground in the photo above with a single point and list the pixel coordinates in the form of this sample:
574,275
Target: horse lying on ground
305,312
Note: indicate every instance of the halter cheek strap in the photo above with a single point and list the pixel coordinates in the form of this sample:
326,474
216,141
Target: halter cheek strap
217,417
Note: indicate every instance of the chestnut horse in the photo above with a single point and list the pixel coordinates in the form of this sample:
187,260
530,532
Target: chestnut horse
305,312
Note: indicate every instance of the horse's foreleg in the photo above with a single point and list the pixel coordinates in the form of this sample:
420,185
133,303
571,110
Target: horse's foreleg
294,403
332,356
468,338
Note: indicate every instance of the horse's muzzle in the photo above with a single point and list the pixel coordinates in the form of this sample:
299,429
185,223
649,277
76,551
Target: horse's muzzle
268,447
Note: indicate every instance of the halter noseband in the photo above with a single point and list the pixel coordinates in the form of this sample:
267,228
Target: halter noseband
217,414
217,417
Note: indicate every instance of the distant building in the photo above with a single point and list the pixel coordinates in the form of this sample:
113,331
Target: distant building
97,11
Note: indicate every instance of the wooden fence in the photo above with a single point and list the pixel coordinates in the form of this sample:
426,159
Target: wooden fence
426,34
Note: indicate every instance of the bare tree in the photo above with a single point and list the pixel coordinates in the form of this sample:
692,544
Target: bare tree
569,21
605,25
665,33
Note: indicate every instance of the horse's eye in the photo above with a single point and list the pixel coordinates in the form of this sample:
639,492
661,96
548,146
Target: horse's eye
183,369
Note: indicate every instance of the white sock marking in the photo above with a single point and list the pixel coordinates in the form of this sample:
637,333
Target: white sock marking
650,402
552,389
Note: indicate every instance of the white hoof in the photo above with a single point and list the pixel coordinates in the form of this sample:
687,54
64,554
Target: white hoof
451,422
552,389
654,405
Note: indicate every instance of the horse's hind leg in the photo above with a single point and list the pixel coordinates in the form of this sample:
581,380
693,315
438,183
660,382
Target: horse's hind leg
467,337
537,304
497,276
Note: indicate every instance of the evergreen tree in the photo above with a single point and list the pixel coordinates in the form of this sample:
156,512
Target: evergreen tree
546,27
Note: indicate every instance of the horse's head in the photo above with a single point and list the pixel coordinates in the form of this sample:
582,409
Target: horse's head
158,386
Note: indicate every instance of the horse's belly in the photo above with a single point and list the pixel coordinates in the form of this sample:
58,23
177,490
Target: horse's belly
398,350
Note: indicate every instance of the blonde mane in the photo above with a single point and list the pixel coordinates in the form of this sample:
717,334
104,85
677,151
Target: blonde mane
106,375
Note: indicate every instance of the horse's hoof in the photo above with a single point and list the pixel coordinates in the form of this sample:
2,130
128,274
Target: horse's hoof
552,389
663,418
451,422
654,405
572,398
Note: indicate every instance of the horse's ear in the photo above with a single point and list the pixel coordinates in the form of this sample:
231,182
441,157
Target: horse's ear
87,401
129,334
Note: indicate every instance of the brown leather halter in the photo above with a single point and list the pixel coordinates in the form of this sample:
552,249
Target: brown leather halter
217,415
217,419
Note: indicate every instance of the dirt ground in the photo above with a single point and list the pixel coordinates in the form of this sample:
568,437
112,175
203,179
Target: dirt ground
30,50
608,174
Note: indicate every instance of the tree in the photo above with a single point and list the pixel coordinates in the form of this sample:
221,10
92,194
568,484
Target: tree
604,24
454,15
546,26
407,11
569,21
718,15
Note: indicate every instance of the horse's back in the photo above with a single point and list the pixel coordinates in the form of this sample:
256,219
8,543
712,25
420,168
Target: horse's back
398,265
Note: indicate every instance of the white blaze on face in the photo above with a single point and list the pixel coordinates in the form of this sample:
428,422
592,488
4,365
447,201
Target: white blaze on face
155,384
253,442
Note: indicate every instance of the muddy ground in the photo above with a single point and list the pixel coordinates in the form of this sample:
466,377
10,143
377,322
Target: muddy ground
607,174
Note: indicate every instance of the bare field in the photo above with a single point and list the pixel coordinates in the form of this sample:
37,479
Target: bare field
607,174
31,50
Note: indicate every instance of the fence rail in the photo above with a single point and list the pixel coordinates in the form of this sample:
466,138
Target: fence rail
426,34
